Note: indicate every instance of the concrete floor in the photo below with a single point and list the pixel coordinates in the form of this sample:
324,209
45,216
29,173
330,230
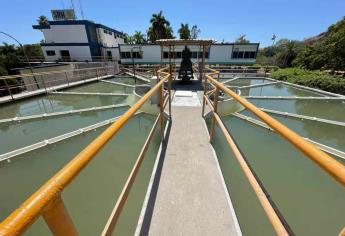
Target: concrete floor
191,198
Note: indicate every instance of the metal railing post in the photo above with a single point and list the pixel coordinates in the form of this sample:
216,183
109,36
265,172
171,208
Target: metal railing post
8,89
57,218
97,74
67,78
85,74
215,105
170,80
44,84
204,101
161,110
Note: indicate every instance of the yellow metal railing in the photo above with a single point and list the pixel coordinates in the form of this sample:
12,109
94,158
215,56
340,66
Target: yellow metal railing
326,162
47,200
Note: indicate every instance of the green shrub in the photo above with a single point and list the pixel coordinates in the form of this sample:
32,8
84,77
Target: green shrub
314,79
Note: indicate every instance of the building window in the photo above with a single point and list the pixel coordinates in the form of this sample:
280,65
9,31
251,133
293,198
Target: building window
165,55
50,52
109,55
110,33
236,54
138,55
105,31
206,54
178,55
247,54
65,55
125,55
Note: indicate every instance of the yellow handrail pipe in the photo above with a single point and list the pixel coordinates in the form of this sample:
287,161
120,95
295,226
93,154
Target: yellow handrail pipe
20,219
329,164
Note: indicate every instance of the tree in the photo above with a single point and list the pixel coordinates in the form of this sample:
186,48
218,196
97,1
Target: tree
169,32
33,51
195,31
160,28
242,39
128,39
184,31
12,56
286,51
138,37
43,21
327,51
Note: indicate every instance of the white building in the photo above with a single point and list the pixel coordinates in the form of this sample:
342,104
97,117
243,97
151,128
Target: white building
228,53
79,40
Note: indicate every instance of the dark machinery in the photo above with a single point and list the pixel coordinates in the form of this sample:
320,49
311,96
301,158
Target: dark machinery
186,70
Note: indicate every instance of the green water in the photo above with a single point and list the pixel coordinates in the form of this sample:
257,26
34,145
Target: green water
330,135
55,103
246,82
92,195
327,109
20,134
278,90
102,87
130,81
311,201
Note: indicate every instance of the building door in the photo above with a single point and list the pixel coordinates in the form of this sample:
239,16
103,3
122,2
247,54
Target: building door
109,56
65,55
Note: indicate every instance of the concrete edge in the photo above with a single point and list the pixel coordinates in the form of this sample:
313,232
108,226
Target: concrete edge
158,164
227,194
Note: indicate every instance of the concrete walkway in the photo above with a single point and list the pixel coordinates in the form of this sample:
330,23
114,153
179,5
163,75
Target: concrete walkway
192,198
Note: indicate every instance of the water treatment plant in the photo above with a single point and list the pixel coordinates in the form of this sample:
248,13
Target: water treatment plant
170,138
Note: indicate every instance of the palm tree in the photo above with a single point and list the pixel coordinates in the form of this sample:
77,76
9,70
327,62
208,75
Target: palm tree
184,31
195,31
43,21
169,32
139,37
128,39
242,39
160,27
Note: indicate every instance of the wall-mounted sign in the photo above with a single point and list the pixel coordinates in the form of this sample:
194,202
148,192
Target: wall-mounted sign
65,14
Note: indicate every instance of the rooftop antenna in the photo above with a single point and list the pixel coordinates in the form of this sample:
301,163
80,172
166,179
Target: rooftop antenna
81,10
72,5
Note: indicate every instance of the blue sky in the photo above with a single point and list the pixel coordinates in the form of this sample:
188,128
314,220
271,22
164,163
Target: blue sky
217,19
